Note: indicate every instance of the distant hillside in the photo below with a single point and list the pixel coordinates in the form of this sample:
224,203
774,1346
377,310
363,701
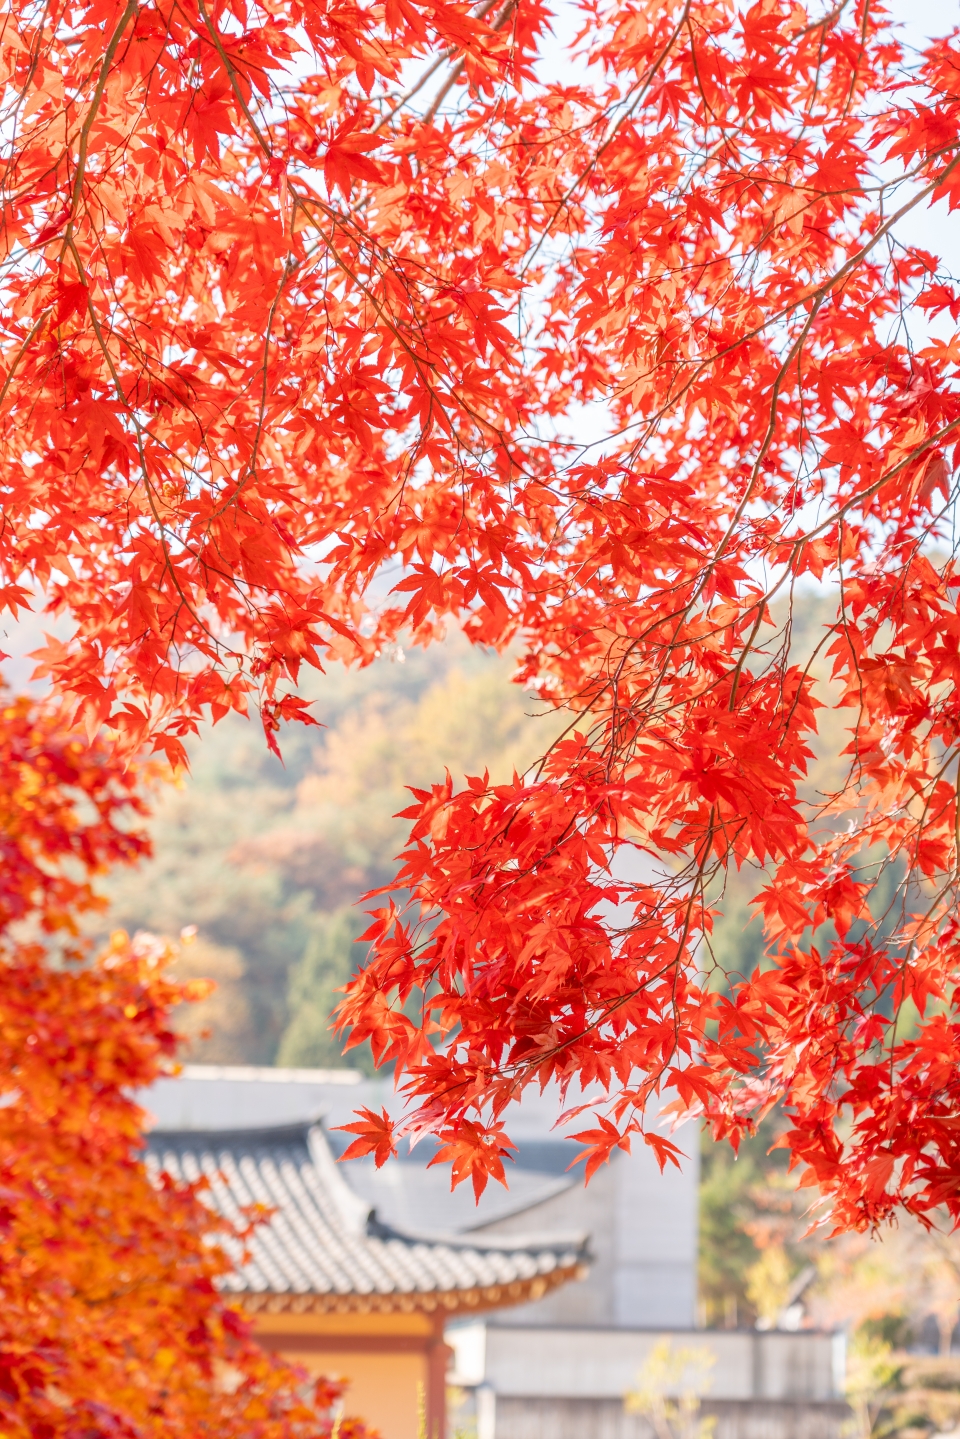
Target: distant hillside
267,860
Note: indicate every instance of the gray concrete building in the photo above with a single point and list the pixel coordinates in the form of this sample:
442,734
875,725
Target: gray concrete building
641,1224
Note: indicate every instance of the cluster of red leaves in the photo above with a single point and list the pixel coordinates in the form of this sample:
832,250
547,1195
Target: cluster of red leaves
277,326
110,1322
213,341
740,307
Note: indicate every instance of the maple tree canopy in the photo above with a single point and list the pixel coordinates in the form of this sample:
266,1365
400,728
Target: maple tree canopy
111,1326
302,305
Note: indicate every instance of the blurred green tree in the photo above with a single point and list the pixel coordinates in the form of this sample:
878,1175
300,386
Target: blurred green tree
329,959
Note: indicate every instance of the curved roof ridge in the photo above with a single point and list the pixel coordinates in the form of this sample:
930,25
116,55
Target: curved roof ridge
261,1134
323,1248
481,1243
354,1211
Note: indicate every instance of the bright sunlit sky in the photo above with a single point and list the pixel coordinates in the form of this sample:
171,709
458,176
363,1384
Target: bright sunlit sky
936,229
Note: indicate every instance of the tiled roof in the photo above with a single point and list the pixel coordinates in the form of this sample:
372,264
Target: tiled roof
410,1197
323,1248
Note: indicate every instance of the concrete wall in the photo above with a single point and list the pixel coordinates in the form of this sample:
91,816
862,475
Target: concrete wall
533,1383
607,1419
643,1242
534,1363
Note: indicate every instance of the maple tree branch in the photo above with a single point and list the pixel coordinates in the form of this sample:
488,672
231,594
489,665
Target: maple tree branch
15,362
261,414
457,70
228,65
96,100
144,469
826,23
792,354
529,1067
478,14
608,140
814,293
856,66
307,200
414,89
870,490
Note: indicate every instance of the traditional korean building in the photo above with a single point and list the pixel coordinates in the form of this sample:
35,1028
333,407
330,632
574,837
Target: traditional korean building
331,1286
361,1267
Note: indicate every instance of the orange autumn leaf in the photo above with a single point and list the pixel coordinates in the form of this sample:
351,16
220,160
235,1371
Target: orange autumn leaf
113,1322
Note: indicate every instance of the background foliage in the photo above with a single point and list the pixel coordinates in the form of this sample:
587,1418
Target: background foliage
268,858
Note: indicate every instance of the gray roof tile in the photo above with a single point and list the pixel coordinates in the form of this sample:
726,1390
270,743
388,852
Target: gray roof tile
323,1248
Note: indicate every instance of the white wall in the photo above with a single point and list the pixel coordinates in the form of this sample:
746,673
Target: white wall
210,1096
604,1363
643,1240
656,1218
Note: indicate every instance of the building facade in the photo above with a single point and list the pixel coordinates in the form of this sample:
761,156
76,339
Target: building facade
534,1357
642,1224
332,1287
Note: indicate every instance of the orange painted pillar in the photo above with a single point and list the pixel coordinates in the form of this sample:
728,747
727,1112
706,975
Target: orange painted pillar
438,1358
